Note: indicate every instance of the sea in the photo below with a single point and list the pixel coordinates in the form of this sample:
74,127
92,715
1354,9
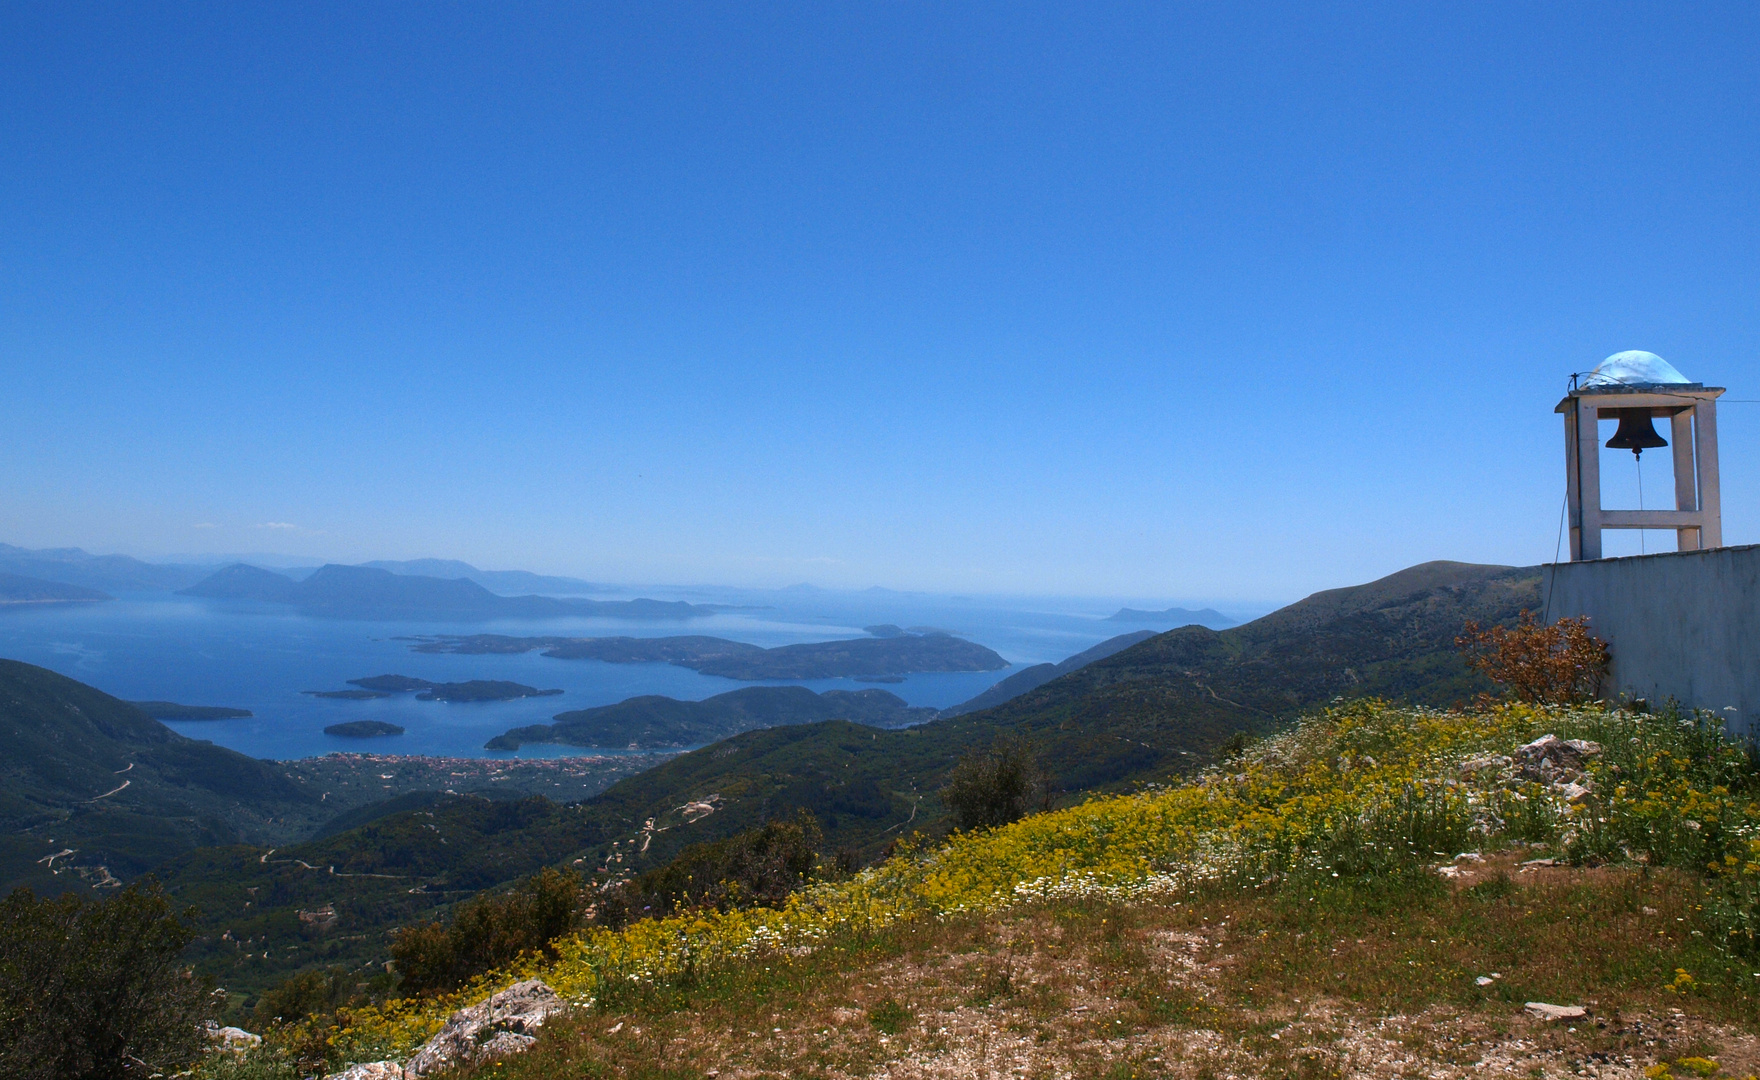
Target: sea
261,657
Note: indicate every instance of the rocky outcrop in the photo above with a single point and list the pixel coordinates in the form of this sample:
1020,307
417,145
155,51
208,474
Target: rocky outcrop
1545,1011
495,1027
231,1038
501,1025
1550,759
1560,763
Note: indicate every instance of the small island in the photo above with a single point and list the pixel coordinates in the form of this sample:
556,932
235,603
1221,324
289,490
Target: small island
379,686
482,690
363,729
170,710
391,684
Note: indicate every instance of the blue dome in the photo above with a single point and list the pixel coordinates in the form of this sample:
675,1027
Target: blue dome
1634,367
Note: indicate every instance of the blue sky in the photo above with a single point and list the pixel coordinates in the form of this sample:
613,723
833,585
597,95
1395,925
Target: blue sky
1183,302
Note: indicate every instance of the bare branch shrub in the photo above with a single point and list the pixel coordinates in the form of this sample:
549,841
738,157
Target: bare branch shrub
1560,664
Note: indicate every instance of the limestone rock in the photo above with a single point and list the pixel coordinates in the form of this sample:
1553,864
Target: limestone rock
1551,759
495,1027
231,1038
372,1070
1484,761
1544,1011
503,1044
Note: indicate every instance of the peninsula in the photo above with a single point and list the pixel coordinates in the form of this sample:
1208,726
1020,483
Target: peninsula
653,721
855,658
19,589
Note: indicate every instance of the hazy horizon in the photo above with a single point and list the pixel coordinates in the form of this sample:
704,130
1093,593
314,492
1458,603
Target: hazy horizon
1242,608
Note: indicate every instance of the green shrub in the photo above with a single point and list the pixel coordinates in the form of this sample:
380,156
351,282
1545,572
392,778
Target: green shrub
309,993
990,788
488,932
756,868
95,989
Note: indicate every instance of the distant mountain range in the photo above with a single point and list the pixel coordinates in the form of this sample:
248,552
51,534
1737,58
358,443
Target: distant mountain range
851,658
504,582
374,593
18,589
121,573
106,573
1174,617
654,721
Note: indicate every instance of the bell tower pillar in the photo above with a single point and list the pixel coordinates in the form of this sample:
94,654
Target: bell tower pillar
1637,388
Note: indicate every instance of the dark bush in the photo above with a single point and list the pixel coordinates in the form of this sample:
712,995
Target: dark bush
95,990
488,932
996,786
310,993
1232,748
757,868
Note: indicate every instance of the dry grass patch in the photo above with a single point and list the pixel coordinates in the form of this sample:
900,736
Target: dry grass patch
1376,979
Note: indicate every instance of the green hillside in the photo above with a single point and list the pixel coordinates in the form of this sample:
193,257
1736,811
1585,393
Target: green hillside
656,721
1152,711
1040,674
1149,713
116,792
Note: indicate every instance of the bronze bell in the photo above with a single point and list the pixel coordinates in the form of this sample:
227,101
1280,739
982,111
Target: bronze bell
1636,433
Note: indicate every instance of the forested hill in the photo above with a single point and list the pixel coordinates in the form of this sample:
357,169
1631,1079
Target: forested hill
656,721
96,779
1040,674
1188,688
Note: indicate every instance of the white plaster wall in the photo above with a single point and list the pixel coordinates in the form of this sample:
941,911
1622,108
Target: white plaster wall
1684,625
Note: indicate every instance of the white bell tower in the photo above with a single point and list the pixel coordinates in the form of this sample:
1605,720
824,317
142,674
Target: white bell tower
1637,388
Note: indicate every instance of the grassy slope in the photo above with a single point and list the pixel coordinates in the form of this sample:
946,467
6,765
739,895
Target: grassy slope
1218,986
1282,916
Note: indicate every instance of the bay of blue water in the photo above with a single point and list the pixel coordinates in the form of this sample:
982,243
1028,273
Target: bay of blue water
260,657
